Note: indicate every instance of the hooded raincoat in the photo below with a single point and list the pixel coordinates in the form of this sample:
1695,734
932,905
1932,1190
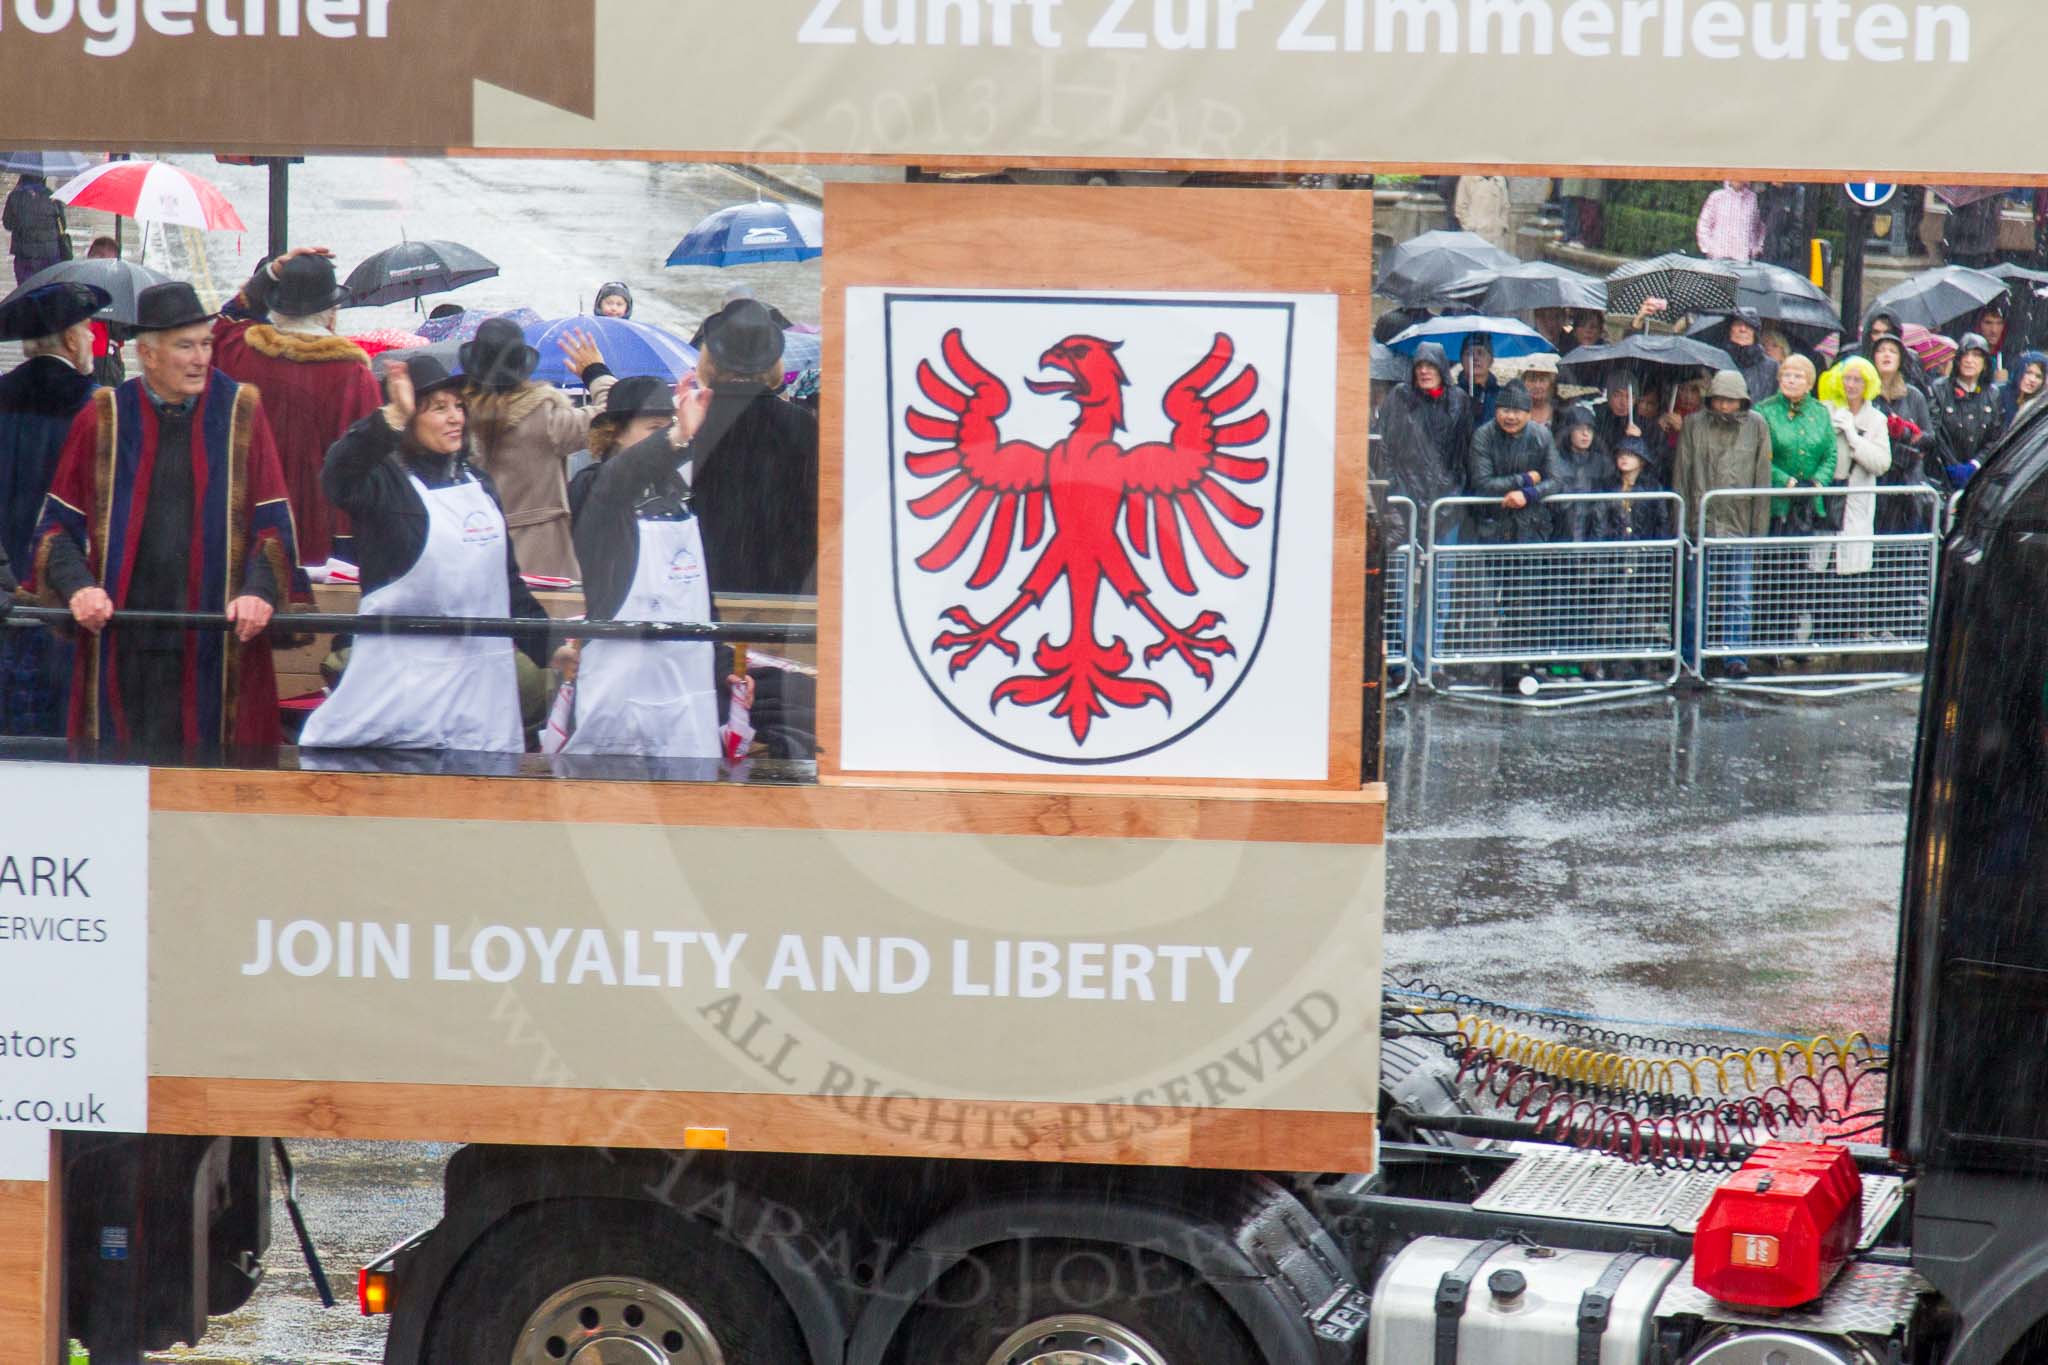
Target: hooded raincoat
2015,406
1425,434
1968,417
1717,451
1863,455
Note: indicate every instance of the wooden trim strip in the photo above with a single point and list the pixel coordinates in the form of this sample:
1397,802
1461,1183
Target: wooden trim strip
30,1269
1100,1134
1357,817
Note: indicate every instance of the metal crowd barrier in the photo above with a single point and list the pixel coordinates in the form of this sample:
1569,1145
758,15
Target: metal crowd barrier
1777,601
1403,571
1557,621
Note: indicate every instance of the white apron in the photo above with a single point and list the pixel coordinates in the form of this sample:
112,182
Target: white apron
652,697
434,691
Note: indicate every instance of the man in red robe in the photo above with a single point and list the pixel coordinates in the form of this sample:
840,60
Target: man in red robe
168,497
315,384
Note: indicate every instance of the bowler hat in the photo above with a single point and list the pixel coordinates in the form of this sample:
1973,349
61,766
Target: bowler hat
428,373
167,307
305,286
743,338
49,309
499,358
640,395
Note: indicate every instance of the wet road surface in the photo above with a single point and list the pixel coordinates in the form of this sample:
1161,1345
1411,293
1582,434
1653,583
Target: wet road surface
1689,859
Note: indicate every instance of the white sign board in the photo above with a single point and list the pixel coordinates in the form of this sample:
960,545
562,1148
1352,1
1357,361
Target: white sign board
1063,541
74,957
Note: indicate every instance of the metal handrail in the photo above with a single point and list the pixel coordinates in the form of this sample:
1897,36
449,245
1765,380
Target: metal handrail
343,623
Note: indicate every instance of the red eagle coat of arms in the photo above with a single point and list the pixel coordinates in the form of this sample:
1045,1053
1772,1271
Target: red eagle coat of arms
1088,581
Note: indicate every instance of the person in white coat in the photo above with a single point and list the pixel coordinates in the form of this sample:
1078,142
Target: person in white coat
432,541
1863,455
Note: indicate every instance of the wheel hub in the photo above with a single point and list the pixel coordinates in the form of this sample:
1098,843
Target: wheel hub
1076,1339
615,1320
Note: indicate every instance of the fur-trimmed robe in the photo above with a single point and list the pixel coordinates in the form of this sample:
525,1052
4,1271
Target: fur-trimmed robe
314,388
523,439
240,514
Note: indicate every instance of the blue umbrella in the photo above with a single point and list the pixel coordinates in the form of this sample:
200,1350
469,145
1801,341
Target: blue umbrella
628,347
801,350
462,326
1508,337
49,165
748,234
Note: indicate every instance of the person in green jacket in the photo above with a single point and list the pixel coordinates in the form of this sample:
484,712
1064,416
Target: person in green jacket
1802,445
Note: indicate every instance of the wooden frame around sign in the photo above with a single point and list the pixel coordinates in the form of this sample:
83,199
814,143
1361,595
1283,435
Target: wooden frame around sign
1124,240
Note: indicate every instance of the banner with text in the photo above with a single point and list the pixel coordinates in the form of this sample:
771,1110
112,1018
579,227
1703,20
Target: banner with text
1076,81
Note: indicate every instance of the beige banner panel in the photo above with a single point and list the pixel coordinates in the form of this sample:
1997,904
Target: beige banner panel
977,987
1702,83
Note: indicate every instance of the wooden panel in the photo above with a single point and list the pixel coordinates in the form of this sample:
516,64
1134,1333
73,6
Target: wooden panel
31,1315
1088,237
849,1126
1357,817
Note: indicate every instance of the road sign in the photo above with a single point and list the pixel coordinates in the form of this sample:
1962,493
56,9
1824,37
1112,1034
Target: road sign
1869,194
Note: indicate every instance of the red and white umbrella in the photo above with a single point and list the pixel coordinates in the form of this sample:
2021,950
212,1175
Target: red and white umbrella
154,192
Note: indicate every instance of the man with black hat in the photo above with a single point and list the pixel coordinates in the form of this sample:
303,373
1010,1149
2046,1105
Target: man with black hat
315,384
38,400
169,497
753,468
1515,460
635,409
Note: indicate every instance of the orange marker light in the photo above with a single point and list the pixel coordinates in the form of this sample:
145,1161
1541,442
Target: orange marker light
704,1139
373,1292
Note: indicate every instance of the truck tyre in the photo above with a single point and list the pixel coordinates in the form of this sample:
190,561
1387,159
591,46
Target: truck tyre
1074,1303
598,1281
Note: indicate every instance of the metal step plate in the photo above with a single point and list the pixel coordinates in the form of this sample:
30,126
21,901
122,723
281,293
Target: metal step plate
1587,1187
1863,1298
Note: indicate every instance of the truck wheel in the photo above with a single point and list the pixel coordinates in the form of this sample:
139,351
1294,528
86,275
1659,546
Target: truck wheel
610,1282
1073,1303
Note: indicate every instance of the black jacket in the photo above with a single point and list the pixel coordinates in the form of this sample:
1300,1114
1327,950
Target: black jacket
1498,465
1914,465
1638,518
754,481
1967,424
35,222
365,476
1424,439
1759,371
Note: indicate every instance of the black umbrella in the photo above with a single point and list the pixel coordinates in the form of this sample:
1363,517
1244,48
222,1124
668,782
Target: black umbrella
49,165
1784,297
1935,298
1542,284
411,269
1643,352
1687,284
122,280
1417,271
1387,368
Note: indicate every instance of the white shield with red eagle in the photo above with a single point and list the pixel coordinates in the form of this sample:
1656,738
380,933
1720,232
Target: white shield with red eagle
1063,538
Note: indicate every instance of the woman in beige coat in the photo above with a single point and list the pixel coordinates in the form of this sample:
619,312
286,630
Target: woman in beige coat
523,433
1863,455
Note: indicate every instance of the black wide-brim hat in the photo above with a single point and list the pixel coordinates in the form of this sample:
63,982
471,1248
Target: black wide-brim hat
306,285
499,357
743,339
639,395
167,307
428,374
49,309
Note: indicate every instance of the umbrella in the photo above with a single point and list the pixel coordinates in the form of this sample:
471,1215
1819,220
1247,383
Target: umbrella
378,340
1508,336
747,234
462,326
49,165
1785,297
1419,270
155,191
1935,298
1387,368
801,350
447,352
122,279
1541,284
1642,352
1687,283
410,269
628,348
2007,271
